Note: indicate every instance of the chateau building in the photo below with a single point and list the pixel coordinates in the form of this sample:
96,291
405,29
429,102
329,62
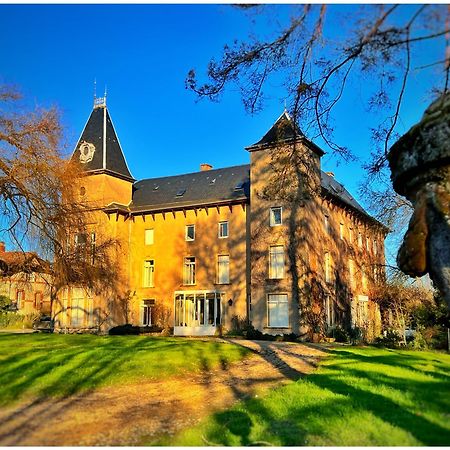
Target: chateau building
24,282
277,242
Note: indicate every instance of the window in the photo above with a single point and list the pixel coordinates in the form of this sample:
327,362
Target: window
341,230
38,300
197,308
189,270
327,223
20,298
359,239
77,307
364,277
276,216
80,240
276,262
360,311
223,269
277,311
149,236
351,273
146,312
350,235
149,273
329,310
93,247
327,267
223,230
367,243
190,232
375,247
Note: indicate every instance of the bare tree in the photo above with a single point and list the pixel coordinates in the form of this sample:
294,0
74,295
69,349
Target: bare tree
378,42
40,207
319,54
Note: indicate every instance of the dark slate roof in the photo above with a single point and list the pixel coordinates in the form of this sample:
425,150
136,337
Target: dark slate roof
93,133
284,130
198,188
338,190
211,186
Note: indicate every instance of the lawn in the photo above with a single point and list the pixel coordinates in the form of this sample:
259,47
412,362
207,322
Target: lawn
43,365
358,397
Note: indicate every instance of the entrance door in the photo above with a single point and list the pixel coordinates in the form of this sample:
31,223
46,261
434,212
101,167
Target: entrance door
197,313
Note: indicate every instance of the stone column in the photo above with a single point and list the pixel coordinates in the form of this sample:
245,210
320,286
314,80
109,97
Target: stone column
420,166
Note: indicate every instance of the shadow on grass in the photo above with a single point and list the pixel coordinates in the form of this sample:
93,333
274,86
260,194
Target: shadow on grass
357,382
50,373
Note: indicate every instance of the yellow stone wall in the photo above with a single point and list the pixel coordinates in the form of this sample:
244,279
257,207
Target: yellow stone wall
306,242
302,234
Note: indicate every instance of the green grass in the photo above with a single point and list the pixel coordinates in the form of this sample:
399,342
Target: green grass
358,397
40,365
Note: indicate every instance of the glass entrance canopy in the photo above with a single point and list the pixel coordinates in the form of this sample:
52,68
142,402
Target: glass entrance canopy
197,313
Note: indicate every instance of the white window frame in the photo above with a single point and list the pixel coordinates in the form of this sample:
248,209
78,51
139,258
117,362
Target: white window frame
147,306
271,300
329,310
351,273
364,278
149,236
223,277
223,224
276,267
327,264
77,305
186,235
149,273
326,222
272,221
189,270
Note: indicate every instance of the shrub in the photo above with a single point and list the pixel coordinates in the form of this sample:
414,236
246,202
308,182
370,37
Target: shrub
355,335
239,326
340,334
13,319
124,330
418,342
391,339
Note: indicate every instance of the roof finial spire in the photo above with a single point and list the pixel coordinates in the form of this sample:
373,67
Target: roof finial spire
285,109
99,102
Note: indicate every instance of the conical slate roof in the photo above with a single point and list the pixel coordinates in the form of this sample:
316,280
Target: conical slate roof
98,149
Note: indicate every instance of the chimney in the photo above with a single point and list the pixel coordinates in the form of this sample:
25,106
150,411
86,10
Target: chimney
331,174
205,166
2,247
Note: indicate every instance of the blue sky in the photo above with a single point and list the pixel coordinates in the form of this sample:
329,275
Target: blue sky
143,54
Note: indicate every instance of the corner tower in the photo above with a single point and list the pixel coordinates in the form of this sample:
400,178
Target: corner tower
106,176
285,181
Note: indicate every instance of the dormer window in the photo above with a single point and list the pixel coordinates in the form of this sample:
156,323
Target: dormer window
239,186
181,192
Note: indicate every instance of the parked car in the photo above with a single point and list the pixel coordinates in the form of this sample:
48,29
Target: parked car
43,324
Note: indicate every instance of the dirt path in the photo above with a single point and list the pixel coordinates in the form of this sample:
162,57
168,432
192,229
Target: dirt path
123,415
